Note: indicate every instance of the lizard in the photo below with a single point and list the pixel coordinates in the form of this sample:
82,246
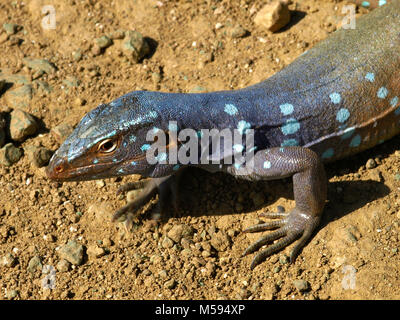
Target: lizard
337,99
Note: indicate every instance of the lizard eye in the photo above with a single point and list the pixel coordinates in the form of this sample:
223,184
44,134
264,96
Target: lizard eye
107,146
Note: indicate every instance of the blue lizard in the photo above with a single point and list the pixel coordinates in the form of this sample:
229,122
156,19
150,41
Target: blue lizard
339,98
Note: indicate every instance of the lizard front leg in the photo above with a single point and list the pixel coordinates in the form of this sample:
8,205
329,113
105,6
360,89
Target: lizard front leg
309,188
166,187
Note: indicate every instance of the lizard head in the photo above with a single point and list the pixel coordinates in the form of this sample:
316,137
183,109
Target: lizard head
108,142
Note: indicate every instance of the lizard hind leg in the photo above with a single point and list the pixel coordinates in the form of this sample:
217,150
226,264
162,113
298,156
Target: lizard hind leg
309,188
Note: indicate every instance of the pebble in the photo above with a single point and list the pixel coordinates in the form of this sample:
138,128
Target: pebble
95,251
9,154
63,265
370,164
273,16
10,28
61,132
12,294
40,65
180,231
77,55
301,285
38,156
72,252
22,125
135,46
236,32
103,42
8,261
167,243
170,284
34,264
19,97
118,34
220,241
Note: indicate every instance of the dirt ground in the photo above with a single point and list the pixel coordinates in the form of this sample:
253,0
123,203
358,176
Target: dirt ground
354,253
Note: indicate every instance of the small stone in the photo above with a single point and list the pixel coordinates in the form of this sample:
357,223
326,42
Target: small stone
167,243
96,50
61,132
72,252
170,284
38,156
370,164
8,261
156,77
9,154
220,241
77,55
163,274
19,97
63,265
34,264
118,34
100,183
273,16
40,65
10,28
236,32
95,251
12,294
180,231
135,46
131,195
22,125
301,285
103,42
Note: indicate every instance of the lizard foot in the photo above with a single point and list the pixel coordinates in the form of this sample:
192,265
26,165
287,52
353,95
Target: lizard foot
164,187
290,227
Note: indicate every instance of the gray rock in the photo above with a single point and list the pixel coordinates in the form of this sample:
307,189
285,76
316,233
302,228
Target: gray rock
135,46
10,154
10,28
34,265
40,65
22,125
103,42
72,252
19,97
38,156
301,285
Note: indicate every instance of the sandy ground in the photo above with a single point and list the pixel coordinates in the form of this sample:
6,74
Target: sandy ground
354,253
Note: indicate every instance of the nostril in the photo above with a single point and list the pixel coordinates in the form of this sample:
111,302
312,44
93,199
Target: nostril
59,169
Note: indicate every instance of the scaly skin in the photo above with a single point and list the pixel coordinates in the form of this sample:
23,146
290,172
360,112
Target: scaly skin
339,98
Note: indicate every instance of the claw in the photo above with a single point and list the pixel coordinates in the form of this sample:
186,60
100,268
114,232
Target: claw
293,226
